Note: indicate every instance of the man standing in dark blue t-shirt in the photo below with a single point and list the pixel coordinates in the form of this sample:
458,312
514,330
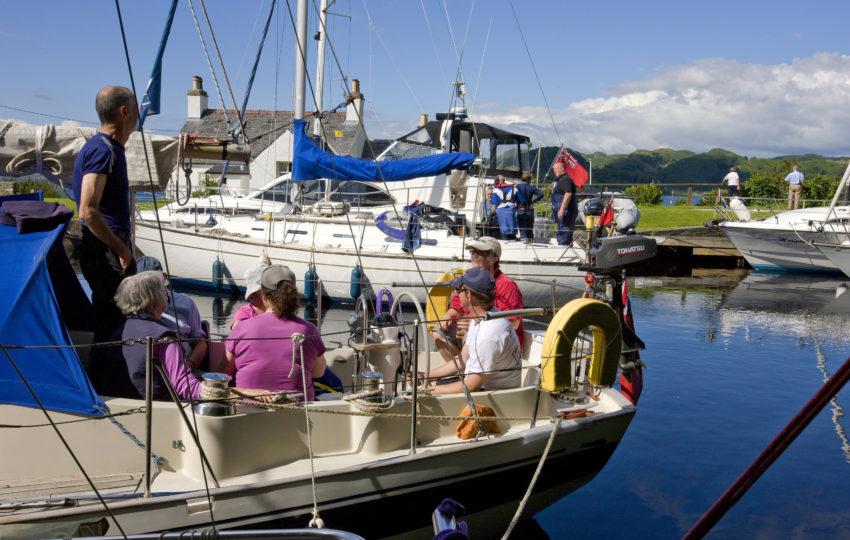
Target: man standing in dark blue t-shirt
101,190
564,204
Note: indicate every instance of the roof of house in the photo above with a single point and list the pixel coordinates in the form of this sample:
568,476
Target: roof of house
264,127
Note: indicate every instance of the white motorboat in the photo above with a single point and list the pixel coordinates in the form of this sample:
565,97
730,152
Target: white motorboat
261,464
786,240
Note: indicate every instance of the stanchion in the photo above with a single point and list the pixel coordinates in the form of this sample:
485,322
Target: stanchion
415,402
148,412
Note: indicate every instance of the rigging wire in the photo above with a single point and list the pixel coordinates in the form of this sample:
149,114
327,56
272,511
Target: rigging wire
433,41
223,69
391,57
210,65
164,255
368,142
86,122
31,390
248,42
536,76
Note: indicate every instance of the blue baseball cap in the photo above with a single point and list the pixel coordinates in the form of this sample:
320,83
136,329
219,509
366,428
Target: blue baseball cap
477,279
147,263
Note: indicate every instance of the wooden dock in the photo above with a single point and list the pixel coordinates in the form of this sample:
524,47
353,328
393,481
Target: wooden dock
688,250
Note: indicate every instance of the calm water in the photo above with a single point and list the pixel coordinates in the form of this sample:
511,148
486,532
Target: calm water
729,363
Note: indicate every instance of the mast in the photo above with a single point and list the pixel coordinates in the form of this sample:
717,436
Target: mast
320,65
300,59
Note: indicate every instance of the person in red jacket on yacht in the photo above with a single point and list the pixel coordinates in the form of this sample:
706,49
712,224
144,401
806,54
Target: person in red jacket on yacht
485,252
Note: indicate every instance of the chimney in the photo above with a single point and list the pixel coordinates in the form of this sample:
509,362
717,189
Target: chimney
197,98
355,102
423,120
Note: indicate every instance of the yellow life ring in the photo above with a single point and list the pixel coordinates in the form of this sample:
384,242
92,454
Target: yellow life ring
557,360
440,297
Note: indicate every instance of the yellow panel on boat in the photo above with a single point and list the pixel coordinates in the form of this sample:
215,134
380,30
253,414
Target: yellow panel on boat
559,341
439,297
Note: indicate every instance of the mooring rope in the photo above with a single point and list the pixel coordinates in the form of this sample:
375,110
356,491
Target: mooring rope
534,478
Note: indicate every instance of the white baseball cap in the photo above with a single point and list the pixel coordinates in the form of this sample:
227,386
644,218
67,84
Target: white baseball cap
486,243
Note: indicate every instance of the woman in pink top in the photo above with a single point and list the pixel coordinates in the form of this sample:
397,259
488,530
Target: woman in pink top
260,349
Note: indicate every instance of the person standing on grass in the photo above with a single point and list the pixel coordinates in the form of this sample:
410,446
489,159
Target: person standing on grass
733,182
795,187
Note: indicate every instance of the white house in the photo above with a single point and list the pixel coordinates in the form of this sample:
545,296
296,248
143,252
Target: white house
269,135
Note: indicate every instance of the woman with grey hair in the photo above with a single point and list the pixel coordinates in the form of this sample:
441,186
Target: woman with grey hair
142,299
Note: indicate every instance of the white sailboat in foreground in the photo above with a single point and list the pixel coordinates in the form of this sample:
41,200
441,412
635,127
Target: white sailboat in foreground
260,463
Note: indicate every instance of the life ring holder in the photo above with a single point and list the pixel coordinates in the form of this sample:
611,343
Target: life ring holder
440,297
557,370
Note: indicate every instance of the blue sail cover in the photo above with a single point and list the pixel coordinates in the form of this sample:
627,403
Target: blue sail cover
30,315
311,163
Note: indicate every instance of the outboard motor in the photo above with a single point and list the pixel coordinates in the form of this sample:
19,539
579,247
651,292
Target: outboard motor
618,251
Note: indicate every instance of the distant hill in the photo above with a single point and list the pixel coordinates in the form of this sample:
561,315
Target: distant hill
665,165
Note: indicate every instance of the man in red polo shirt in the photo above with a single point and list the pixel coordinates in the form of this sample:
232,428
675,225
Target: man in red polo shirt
485,252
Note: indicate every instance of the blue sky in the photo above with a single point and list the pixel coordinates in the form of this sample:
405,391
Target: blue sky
761,78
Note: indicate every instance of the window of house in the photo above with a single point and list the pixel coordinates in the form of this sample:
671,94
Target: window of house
282,167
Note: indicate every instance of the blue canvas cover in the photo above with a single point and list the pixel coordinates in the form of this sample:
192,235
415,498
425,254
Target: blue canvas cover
31,314
311,163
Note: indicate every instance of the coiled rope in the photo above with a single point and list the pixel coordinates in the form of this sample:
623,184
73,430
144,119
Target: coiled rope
371,401
38,160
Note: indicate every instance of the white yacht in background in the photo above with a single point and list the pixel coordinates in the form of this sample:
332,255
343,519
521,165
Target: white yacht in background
342,224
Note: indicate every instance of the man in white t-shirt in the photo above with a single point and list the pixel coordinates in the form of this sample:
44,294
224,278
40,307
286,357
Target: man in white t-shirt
732,181
490,358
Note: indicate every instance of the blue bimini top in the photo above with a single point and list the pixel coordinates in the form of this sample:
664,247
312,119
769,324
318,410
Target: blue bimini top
35,269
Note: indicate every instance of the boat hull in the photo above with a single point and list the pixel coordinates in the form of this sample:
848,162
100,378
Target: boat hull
838,255
401,491
778,249
190,256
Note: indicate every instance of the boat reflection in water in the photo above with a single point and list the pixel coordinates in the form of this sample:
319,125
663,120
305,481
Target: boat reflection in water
805,307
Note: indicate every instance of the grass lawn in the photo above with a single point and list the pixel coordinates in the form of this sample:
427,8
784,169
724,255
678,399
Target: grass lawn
672,217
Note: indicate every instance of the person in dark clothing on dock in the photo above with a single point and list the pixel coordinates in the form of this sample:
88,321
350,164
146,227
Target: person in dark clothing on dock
525,211
102,194
564,205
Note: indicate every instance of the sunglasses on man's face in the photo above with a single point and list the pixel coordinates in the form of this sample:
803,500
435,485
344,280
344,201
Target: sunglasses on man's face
480,253
460,290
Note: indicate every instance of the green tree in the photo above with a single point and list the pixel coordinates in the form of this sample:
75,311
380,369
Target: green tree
820,187
767,183
645,194
208,187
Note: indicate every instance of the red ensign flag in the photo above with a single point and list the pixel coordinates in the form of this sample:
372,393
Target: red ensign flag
575,170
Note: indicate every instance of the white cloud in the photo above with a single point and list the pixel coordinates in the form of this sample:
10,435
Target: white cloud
752,109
